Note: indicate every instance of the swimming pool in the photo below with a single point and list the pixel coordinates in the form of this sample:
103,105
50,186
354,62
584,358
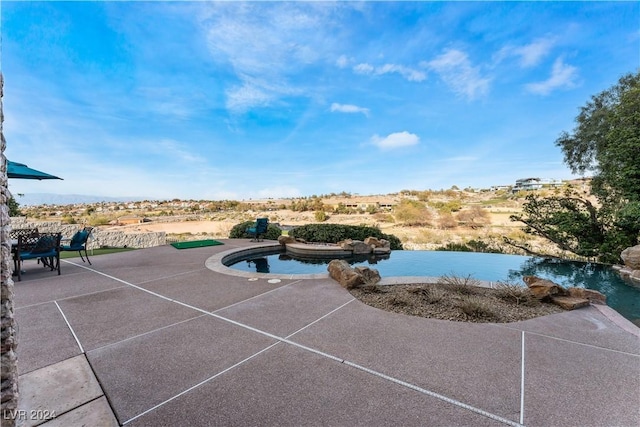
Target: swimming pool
621,296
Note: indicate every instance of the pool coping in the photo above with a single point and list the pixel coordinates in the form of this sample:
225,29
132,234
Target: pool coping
216,263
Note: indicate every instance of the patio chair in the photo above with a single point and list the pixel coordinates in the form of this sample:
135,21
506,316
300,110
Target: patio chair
45,247
14,234
258,229
79,243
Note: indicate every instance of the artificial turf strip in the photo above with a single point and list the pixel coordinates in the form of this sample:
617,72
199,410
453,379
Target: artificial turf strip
196,244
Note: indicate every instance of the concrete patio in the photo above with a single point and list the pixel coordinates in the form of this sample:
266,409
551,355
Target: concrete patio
154,337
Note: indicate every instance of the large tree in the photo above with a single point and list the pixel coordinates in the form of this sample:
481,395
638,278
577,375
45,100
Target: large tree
606,144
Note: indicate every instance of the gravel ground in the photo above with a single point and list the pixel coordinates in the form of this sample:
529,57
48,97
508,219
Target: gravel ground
458,302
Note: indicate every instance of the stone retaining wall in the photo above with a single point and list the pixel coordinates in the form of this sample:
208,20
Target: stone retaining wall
98,238
9,361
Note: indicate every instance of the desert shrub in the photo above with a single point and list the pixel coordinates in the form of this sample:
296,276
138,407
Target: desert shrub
475,308
98,220
239,231
447,207
514,293
383,217
430,294
334,233
412,213
320,216
463,285
446,221
474,217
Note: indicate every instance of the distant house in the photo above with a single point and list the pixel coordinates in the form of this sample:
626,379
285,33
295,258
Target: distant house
528,184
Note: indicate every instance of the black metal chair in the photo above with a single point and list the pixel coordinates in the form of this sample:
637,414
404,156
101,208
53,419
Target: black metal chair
45,247
258,229
79,243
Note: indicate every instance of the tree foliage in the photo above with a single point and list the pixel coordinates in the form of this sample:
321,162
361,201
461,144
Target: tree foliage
14,207
606,143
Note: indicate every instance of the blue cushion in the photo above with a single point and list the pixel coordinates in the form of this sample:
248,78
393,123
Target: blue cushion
79,238
31,255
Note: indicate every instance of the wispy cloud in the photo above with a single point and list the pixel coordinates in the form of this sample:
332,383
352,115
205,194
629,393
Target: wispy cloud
456,70
348,108
176,150
395,140
562,76
408,73
530,54
266,46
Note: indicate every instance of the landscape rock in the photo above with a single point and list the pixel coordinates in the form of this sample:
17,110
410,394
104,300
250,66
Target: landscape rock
283,240
631,257
356,246
370,276
381,250
341,272
594,297
543,289
377,243
569,303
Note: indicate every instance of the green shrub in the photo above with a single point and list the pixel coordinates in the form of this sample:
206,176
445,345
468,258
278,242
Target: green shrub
320,216
239,231
334,233
471,246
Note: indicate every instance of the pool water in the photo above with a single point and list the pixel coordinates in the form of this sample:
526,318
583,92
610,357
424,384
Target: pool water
622,297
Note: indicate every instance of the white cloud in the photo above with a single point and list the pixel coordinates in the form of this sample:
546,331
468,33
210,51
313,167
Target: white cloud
530,54
395,140
348,108
455,69
242,98
175,150
266,46
406,72
364,69
562,75
342,61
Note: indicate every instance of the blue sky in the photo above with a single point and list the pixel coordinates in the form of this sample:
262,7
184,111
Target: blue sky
227,100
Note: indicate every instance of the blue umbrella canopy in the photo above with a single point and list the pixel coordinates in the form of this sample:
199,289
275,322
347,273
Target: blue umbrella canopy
22,171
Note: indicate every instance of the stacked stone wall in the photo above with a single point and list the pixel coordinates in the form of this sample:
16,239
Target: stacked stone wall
9,344
99,238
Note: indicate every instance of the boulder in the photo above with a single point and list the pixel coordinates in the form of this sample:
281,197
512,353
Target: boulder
543,289
349,277
341,272
370,276
631,257
569,303
377,243
283,240
594,297
356,246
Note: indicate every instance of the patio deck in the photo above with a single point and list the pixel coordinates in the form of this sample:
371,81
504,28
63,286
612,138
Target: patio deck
155,338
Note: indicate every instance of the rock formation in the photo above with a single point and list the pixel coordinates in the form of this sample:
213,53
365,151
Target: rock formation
631,268
567,298
349,277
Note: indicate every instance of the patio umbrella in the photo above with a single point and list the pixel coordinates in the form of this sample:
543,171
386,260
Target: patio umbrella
20,170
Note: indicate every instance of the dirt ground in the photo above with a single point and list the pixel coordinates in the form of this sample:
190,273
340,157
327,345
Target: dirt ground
463,303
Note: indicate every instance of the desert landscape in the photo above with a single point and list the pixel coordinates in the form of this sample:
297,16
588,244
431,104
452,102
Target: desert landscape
420,222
